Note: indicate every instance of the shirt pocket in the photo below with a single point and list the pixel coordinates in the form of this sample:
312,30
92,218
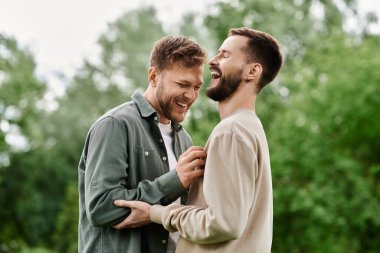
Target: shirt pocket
145,153
148,163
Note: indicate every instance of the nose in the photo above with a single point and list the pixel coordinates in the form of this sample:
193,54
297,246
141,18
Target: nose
213,60
190,94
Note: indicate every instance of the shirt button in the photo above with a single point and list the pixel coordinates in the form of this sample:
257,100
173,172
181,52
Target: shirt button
163,241
155,118
164,158
146,153
160,140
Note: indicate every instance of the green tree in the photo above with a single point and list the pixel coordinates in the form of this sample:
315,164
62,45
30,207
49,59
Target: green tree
20,91
20,94
325,152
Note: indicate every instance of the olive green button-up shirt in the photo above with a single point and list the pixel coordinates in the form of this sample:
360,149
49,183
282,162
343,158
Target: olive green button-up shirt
124,157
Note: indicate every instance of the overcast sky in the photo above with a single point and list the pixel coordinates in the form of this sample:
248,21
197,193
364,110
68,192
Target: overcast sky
60,33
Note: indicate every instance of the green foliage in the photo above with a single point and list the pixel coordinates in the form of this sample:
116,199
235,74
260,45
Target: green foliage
20,92
325,152
67,222
36,250
126,49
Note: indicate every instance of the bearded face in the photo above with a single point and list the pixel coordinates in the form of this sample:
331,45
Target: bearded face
176,90
223,85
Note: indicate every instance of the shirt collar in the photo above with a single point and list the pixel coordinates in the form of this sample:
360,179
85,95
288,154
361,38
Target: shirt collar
143,105
146,110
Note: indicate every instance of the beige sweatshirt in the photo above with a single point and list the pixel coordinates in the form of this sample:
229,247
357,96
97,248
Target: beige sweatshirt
230,209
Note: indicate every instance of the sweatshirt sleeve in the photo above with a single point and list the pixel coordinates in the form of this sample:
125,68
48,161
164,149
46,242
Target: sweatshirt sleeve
228,186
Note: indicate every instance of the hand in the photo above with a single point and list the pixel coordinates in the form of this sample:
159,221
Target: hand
190,165
139,216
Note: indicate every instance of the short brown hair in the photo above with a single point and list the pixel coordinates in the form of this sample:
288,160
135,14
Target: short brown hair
176,50
264,49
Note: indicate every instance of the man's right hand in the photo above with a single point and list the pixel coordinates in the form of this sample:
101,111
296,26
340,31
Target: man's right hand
190,165
139,214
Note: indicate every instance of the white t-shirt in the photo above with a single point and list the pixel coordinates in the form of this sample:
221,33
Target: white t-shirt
167,135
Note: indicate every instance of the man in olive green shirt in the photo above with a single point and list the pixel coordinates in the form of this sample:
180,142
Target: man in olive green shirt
127,156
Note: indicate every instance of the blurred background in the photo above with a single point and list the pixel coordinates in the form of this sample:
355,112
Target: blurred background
64,63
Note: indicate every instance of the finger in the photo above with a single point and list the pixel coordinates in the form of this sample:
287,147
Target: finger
198,173
118,226
129,223
124,224
191,149
195,155
123,203
195,164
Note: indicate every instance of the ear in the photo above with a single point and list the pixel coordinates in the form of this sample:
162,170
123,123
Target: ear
254,72
152,76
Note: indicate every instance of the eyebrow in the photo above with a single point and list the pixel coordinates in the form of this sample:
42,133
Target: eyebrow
189,83
224,51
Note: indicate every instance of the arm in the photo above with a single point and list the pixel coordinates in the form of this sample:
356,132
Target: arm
106,175
140,211
229,184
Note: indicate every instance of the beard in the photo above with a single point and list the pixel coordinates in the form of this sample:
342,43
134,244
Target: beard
164,104
166,108
227,85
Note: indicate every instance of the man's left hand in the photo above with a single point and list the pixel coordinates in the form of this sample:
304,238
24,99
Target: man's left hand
138,217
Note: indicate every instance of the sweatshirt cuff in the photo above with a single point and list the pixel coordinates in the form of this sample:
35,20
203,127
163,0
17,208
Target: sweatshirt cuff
155,213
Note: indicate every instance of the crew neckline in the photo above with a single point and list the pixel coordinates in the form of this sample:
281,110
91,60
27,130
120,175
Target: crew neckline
239,111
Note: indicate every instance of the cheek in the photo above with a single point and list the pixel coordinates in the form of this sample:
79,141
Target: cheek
230,66
226,69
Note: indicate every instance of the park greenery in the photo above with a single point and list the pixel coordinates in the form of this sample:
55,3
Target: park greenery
321,115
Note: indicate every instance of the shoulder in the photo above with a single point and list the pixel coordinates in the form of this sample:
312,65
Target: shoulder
124,111
243,126
119,115
240,123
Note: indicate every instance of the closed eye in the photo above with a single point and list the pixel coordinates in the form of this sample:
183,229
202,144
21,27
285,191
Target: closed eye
224,53
182,85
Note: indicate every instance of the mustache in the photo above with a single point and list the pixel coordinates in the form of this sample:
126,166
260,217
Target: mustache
216,68
183,100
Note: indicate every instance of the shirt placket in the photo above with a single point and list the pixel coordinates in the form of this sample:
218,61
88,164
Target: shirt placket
162,149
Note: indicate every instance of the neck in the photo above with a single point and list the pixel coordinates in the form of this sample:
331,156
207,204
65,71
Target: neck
148,94
243,98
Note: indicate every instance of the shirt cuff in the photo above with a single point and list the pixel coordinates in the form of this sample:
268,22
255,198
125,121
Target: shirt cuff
171,185
155,213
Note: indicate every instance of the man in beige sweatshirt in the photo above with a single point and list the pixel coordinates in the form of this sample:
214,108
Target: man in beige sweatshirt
230,209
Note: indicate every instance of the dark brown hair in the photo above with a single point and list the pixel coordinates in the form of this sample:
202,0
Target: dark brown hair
176,50
264,49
